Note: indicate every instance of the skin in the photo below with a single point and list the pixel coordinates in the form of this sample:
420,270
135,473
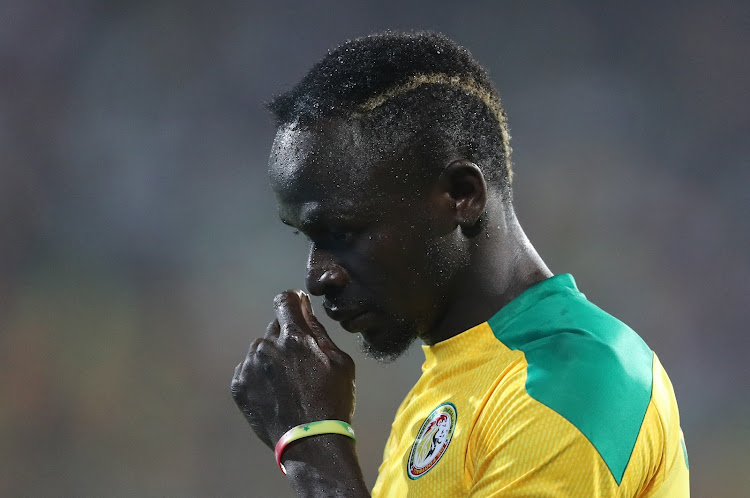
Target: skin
398,251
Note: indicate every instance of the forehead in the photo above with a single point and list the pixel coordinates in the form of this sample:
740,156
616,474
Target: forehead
332,167
331,151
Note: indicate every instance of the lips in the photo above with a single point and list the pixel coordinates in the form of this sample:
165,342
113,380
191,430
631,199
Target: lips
342,314
346,316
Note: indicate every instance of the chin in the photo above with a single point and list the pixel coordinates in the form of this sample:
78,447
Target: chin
387,345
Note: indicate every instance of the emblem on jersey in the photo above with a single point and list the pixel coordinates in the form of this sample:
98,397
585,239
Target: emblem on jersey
432,440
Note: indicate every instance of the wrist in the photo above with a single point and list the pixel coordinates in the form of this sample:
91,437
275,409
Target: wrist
324,465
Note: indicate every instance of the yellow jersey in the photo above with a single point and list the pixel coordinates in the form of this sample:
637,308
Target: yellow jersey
551,397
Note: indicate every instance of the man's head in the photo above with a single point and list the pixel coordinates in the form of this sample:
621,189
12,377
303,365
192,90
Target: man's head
417,91
386,154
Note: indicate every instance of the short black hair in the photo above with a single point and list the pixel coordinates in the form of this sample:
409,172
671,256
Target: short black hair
417,89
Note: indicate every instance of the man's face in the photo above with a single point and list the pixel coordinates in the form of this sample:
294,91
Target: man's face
381,254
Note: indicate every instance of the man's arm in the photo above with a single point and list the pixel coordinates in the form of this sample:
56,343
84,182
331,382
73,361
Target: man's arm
294,375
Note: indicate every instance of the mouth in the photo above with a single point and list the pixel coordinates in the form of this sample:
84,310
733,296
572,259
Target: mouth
350,319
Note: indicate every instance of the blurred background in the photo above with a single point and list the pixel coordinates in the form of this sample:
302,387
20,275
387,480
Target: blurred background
140,248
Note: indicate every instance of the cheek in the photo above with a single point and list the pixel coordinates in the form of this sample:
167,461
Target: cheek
445,258
384,263
399,254
411,267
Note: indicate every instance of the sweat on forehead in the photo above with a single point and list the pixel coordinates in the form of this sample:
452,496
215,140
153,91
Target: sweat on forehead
328,158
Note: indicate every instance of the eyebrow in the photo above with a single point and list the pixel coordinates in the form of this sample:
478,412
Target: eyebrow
305,221
314,217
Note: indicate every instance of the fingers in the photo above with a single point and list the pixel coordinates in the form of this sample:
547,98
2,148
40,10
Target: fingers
318,331
239,370
273,330
295,326
261,361
294,373
287,306
296,317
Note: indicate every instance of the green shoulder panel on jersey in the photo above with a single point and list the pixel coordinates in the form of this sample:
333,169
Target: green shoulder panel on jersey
582,363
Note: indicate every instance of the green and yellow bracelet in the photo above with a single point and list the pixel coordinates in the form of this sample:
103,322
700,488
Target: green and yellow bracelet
311,429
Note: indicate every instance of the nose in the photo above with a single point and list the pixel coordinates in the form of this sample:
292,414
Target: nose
324,274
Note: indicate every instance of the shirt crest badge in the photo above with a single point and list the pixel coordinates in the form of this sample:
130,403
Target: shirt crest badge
432,440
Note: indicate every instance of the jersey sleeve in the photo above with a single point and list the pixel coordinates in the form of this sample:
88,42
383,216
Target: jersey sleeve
672,477
520,447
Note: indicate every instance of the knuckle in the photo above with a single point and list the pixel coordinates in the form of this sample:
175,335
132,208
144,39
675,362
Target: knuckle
262,349
283,298
278,300
254,345
265,357
299,344
289,330
292,340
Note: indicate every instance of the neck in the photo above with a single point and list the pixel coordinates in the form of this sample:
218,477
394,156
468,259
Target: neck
504,264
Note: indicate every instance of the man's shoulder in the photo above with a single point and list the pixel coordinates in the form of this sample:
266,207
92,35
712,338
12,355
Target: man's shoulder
586,365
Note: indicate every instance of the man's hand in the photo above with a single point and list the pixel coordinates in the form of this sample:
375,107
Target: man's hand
293,375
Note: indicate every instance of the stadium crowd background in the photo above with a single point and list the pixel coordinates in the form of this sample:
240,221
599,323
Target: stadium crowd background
140,248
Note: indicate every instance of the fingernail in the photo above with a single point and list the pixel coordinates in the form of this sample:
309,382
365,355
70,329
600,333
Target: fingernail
306,299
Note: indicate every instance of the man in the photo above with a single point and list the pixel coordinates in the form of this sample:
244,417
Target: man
392,156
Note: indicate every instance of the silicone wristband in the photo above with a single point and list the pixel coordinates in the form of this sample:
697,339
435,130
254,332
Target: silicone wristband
311,429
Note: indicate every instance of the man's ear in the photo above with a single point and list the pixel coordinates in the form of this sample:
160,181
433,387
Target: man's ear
465,183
